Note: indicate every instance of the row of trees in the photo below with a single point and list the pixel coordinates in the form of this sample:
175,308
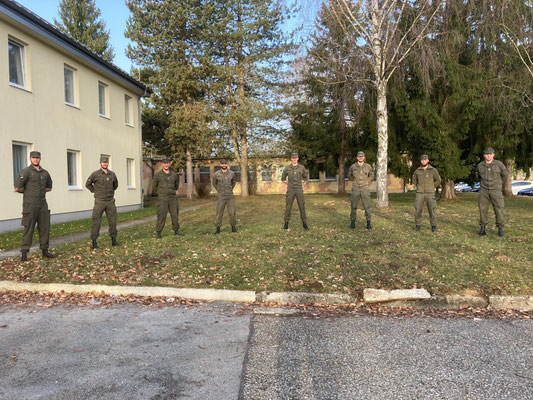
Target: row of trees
396,78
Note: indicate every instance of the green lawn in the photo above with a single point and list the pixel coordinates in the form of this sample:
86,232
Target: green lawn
11,240
328,258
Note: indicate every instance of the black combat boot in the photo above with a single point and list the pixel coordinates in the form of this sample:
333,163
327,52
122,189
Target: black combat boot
368,225
178,233
500,231
158,235
482,231
94,245
24,256
305,226
218,230
352,224
286,226
417,228
233,228
114,241
433,229
47,254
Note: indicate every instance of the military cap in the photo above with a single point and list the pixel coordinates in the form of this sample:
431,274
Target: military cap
223,161
35,154
165,160
294,155
489,150
424,157
104,159
360,154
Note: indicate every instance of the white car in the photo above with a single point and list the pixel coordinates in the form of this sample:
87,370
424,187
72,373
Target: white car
517,186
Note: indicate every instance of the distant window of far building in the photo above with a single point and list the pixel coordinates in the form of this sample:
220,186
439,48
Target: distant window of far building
266,173
102,100
346,172
279,172
17,63
130,173
73,169
70,85
331,173
205,175
128,110
237,171
21,158
314,172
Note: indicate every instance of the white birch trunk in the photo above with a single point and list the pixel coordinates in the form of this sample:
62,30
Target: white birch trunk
383,141
190,183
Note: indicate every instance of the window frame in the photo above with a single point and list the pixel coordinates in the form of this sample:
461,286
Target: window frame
77,172
130,173
15,42
105,98
74,85
128,110
267,169
26,159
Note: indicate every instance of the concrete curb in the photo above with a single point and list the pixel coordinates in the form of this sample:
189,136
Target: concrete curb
451,302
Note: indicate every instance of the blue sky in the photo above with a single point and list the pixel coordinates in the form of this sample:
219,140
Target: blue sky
113,12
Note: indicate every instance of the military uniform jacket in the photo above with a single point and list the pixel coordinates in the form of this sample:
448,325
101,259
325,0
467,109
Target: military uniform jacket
224,182
295,175
165,185
34,184
361,175
426,180
491,176
102,185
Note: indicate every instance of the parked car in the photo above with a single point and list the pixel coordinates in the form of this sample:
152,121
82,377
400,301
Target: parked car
462,187
526,192
475,188
517,186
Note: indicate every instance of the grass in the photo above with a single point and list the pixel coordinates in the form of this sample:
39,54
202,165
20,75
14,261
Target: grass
11,240
328,258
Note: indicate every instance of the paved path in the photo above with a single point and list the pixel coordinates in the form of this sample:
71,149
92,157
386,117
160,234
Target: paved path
223,351
76,237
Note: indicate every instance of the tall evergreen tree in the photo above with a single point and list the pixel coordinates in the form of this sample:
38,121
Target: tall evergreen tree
81,20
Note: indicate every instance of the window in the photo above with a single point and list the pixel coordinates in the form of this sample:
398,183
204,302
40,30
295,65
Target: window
102,99
17,63
237,171
205,175
346,172
21,158
130,171
266,173
279,172
70,85
331,173
314,172
128,114
73,169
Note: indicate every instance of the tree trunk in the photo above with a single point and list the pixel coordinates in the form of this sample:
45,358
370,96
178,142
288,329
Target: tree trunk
190,183
448,190
244,167
341,186
508,187
383,138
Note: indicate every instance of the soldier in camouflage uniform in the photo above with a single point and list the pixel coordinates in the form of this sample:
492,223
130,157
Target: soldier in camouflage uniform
224,182
166,183
426,179
361,175
492,175
293,176
103,183
34,182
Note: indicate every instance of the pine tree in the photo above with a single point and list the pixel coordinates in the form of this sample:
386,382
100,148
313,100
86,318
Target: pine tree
81,20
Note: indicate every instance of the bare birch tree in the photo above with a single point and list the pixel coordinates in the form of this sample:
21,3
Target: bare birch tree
383,33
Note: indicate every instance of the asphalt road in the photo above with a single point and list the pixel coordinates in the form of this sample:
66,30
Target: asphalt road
220,351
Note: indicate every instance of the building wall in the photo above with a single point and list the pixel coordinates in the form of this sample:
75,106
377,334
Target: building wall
39,116
320,185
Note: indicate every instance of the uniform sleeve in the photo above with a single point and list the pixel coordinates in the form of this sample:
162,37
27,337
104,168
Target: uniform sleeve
177,181
415,179
48,181
478,176
284,174
115,181
155,184
22,179
214,181
305,174
90,183
350,174
504,172
436,179
370,175
233,181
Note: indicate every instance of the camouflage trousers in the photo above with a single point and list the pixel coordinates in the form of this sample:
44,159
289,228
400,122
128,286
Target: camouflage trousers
35,214
111,213
164,206
289,200
430,201
486,197
221,205
362,194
